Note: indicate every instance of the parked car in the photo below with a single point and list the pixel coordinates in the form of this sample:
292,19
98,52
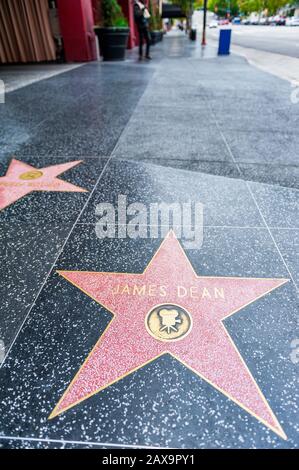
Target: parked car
236,20
292,21
263,21
281,21
278,20
245,21
254,20
213,24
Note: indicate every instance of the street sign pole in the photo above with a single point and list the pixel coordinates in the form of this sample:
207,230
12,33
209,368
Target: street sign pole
203,42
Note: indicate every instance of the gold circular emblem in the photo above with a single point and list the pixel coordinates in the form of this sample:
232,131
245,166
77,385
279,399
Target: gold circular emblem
31,175
168,322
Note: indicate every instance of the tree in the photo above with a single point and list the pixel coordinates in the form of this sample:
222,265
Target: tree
272,6
222,7
198,4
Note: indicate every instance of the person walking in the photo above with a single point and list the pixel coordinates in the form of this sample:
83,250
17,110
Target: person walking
142,16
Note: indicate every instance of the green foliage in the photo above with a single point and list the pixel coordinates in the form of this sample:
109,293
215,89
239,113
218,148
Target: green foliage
112,14
185,5
221,7
246,6
155,19
198,4
242,6
154,23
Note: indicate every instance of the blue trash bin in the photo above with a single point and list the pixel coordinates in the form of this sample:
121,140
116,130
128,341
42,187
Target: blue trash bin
224,41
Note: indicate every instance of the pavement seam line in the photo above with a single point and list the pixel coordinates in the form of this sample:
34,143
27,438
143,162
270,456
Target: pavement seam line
246,227
48,77
36,127
259,210
71,231
271,235
125,129
53,265
36,439
254,200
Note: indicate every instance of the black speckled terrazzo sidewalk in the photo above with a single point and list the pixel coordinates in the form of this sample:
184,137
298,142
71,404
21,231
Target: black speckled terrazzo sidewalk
175,130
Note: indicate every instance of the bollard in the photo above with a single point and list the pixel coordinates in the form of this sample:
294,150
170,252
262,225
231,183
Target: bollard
192,34
224,41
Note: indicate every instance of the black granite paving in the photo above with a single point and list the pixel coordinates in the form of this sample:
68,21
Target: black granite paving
186,127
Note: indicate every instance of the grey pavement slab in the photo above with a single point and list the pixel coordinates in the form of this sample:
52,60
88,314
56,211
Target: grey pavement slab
278,205
28,251
194,414
32,231
217,168
225,201
19,76
51,205
252,109
72,114
281,175
260,119
288,243
263,146
149,114
190,142
27,444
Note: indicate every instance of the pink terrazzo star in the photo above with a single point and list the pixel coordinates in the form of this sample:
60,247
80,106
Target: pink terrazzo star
21,179
207,349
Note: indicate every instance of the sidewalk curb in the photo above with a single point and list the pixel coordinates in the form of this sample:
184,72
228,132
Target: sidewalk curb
282,66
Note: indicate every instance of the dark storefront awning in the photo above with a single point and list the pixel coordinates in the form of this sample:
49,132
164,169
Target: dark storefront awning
172,11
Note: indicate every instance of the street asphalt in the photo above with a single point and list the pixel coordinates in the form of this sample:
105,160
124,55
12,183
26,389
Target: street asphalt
276,39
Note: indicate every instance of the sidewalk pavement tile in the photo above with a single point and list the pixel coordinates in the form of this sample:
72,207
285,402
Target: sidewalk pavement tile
147,115
181,141
267,121
63,109
28,252
278,205
40,206
257,258
158,96
221,168
8,443
134,410
225,201
288,243
263,147
272,174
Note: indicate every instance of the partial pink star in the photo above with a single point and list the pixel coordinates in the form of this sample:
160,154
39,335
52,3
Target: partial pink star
208,350
22,179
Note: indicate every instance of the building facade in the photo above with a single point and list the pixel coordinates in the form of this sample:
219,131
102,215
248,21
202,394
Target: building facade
47,30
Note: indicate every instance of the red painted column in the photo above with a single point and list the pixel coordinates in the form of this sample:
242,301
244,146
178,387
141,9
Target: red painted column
128,10
96,11
76,23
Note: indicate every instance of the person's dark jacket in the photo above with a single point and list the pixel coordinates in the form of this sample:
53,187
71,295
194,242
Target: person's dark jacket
139,18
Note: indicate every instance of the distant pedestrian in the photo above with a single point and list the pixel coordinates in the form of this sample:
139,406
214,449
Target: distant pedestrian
142,16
